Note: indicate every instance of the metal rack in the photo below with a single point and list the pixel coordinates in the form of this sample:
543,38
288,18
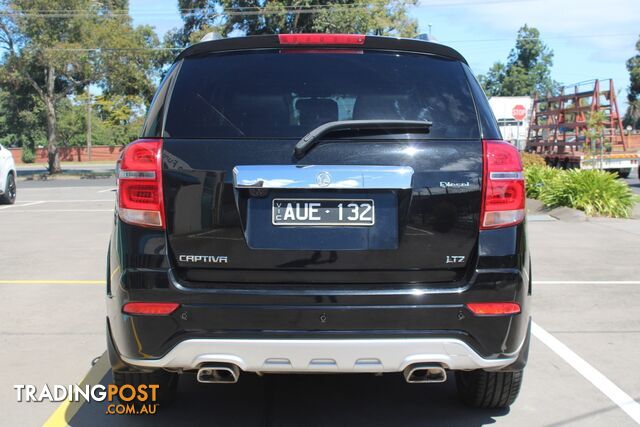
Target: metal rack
559,123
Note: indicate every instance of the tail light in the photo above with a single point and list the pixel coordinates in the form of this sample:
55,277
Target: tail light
150,308
139,169
321,39
503,193
493,308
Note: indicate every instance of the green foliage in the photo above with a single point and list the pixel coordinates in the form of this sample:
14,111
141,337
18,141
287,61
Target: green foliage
251,17
115,120
71,124
595,192
592,191
129,70
632,117
536,177
28,155
22,122
531,159
528,68
492,81
595,127
120,119
379,17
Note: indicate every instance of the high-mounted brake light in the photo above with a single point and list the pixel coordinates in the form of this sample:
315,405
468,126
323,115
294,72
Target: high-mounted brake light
140,200
503,193
493,308
150,308
321,39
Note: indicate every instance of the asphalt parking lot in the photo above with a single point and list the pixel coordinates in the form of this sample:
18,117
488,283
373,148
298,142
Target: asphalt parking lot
584,367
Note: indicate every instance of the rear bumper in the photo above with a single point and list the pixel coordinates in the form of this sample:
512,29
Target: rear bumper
355,331
341,325
337,355
279,323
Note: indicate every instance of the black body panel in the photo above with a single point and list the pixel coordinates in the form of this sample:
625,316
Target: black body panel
205,217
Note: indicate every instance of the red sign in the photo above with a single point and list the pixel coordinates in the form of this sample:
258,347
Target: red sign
519,112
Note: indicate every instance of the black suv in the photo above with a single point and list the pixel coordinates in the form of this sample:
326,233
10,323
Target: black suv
320,203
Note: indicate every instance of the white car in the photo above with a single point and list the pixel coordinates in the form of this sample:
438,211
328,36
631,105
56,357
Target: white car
7,177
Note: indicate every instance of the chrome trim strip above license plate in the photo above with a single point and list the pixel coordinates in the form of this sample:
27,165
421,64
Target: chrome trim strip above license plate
322,176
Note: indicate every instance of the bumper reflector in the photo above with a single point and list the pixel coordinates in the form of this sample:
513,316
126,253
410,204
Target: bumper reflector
493,308
150,308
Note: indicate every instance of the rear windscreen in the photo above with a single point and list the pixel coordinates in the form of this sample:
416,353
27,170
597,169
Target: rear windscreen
285,94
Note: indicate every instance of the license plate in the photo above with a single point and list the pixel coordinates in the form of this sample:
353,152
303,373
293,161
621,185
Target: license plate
334,212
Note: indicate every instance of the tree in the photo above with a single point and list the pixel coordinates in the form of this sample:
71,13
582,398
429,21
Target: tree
632,117
594,131
21,118
58,48
378,17
119,120
72,123
528,68
252,17
115,120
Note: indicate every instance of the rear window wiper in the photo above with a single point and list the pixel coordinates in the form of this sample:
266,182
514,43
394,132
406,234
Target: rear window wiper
315,135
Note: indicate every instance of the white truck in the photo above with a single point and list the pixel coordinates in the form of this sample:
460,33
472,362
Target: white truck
512,129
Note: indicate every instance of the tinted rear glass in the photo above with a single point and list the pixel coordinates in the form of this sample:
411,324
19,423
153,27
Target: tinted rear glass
285,94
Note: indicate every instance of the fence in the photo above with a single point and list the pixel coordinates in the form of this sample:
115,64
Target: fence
72,154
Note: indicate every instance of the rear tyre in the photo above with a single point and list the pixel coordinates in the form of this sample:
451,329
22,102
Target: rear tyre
624,173
167,384
9,195
488,390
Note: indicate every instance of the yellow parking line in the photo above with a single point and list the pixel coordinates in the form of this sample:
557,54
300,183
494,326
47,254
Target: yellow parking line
63,414
52,282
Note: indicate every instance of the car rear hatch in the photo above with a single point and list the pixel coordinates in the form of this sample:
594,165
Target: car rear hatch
240,206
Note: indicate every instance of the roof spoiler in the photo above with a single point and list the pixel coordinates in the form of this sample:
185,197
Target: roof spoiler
273,41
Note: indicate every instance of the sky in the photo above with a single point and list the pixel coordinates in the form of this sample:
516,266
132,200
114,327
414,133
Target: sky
590,38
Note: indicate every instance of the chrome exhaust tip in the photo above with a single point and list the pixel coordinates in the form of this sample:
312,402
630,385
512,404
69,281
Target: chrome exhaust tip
425,373
218,374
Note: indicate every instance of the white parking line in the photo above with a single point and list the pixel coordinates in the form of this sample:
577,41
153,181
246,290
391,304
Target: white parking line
595,377
76,201
52,282
59,210
22,205
586,282
57,189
